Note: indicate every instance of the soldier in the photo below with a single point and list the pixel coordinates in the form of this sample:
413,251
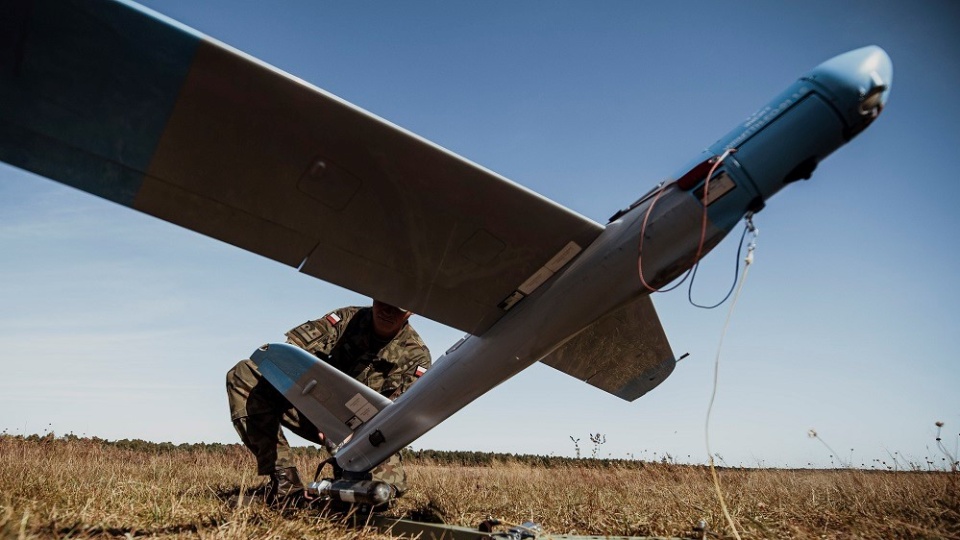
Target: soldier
375,345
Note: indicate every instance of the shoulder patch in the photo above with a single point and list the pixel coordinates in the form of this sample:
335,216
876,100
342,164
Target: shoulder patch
419,371
333,318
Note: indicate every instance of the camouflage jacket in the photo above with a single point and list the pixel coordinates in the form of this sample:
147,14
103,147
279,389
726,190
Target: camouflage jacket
345,339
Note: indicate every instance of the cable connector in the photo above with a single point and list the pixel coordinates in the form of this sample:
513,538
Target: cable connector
755,232
750,226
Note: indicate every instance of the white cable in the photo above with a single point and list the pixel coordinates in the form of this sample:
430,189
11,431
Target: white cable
748,260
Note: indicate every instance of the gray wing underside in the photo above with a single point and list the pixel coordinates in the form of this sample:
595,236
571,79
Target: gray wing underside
257,158
316,183
113,100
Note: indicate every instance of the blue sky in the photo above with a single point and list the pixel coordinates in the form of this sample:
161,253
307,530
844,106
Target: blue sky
119,325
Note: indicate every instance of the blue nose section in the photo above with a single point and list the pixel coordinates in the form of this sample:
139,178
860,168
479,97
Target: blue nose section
858,82
785,141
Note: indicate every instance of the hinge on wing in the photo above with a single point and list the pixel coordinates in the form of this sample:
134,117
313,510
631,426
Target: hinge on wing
544,273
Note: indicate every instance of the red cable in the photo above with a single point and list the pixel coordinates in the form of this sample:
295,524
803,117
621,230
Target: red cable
643,230
703,225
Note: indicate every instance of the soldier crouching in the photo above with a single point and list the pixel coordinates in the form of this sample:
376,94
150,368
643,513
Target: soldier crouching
375,345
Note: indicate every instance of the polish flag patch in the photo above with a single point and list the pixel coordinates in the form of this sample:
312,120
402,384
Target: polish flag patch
333,318
420,371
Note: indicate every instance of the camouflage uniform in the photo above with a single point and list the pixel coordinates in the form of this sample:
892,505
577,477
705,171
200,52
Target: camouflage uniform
344,338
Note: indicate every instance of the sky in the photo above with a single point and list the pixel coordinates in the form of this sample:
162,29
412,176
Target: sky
118,325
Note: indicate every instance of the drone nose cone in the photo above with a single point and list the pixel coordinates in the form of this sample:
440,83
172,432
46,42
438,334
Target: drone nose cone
863,70
859,82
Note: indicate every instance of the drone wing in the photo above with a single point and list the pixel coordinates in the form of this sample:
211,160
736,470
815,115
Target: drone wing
123,103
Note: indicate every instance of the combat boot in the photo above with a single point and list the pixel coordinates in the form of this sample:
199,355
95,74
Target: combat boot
285,487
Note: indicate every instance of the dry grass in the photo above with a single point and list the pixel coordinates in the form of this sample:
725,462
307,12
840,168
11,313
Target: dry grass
667,500
82,489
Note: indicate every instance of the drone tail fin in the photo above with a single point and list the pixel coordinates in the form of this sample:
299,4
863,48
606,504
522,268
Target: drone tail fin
625,352
334,402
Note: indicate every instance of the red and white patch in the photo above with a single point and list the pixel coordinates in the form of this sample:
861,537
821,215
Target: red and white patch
420,371
333,318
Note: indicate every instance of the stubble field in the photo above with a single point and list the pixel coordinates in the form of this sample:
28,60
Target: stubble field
83,488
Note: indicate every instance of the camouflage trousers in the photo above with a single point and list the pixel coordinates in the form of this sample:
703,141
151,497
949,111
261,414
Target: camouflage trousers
258,411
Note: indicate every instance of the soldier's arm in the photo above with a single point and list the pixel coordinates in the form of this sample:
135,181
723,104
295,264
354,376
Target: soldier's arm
417,362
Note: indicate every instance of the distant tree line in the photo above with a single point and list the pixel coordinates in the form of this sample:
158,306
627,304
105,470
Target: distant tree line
466,458
138,445
458,458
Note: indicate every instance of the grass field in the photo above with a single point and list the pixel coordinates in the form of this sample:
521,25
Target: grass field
83,488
